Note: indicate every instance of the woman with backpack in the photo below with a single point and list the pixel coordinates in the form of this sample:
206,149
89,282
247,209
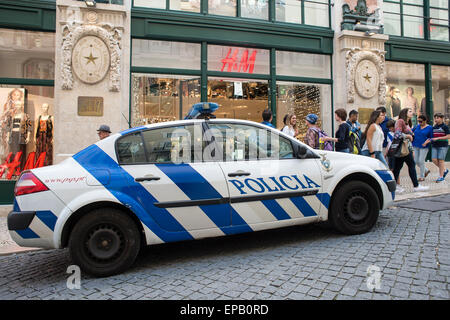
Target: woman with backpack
342,134
314,133
403,130
373,146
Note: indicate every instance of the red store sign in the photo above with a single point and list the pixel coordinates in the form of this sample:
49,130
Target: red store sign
233,62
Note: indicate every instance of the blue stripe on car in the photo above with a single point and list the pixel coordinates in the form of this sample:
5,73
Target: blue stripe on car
123,184
276,209
303,206
48,218
196,187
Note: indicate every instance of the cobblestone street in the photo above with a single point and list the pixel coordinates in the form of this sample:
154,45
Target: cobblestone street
410,247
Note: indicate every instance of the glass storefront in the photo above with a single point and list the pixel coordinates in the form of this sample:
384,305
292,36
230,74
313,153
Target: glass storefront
302,99
27,54
160,98
165,54
238,59
26,114
310,12
26,131
405,88
441,91
239,98
299,64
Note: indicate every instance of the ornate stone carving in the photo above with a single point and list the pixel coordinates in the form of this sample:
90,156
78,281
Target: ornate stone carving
72,32
369,59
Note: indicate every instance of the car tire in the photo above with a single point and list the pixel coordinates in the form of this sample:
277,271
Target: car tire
354,208
104,242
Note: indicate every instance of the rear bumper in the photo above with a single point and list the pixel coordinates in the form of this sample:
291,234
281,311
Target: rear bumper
20,220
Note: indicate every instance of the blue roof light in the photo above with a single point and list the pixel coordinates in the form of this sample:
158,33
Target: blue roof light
202,110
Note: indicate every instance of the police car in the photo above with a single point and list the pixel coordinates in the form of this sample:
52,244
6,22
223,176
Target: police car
190,179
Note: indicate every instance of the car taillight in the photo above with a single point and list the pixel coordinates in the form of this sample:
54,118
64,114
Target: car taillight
28,183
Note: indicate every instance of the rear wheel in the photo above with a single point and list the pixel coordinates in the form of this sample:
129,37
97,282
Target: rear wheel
354,208
104,242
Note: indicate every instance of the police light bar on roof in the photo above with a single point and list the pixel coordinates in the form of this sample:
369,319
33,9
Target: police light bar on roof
202,110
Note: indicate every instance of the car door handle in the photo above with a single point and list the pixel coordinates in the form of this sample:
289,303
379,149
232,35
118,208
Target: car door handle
147,178
238,173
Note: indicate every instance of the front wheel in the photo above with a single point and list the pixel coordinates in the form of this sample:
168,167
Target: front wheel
354,208
104,242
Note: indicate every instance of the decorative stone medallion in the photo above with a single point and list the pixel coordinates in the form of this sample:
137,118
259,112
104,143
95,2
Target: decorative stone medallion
367,79
90,59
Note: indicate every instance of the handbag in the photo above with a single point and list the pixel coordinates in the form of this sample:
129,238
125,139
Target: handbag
404,150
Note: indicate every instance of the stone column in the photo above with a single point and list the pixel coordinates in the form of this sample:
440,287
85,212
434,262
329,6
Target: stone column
358,68
92,60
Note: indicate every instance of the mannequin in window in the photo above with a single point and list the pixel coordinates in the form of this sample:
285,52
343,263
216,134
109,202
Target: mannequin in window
15,97
44,135
18,131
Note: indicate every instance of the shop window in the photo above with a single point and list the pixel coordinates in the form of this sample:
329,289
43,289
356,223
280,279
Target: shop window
26,129
160,98
237,59
441,91
255,9
298,64
405,88
155,4
289,11
165,54
27,54
439,23
302,99
185,5
316,13
239,98
222,7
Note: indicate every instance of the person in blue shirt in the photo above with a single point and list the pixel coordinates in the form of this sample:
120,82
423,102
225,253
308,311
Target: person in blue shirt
267,118
354,124
422,132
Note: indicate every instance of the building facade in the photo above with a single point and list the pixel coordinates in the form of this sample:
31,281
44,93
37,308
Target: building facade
69,66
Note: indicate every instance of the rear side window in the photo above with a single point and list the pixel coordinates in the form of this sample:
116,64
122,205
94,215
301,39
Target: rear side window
180,144
130,149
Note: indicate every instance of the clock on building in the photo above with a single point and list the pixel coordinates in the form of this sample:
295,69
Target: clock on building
367,79
90,59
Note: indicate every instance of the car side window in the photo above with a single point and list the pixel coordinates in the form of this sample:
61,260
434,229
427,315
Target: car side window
180,144
130,149
242,142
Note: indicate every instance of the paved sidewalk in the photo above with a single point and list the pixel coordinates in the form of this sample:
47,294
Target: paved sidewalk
8,246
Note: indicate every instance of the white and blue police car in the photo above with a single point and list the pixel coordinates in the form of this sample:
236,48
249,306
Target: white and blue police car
190,179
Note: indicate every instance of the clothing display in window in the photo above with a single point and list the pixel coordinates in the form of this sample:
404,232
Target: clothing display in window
44,135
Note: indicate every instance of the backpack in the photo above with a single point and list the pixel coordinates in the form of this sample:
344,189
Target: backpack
327,145
399,146
354,144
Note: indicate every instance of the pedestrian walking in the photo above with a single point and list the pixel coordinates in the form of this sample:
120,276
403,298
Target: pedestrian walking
354,124
439,145
422,132
373,146
403,128
342,134
312,135
267,118
384,127
290,125
390,125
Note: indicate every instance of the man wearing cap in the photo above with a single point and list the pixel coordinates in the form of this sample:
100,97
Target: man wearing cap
103,132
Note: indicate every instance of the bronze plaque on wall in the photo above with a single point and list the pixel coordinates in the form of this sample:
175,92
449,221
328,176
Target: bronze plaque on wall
364,115
90,106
